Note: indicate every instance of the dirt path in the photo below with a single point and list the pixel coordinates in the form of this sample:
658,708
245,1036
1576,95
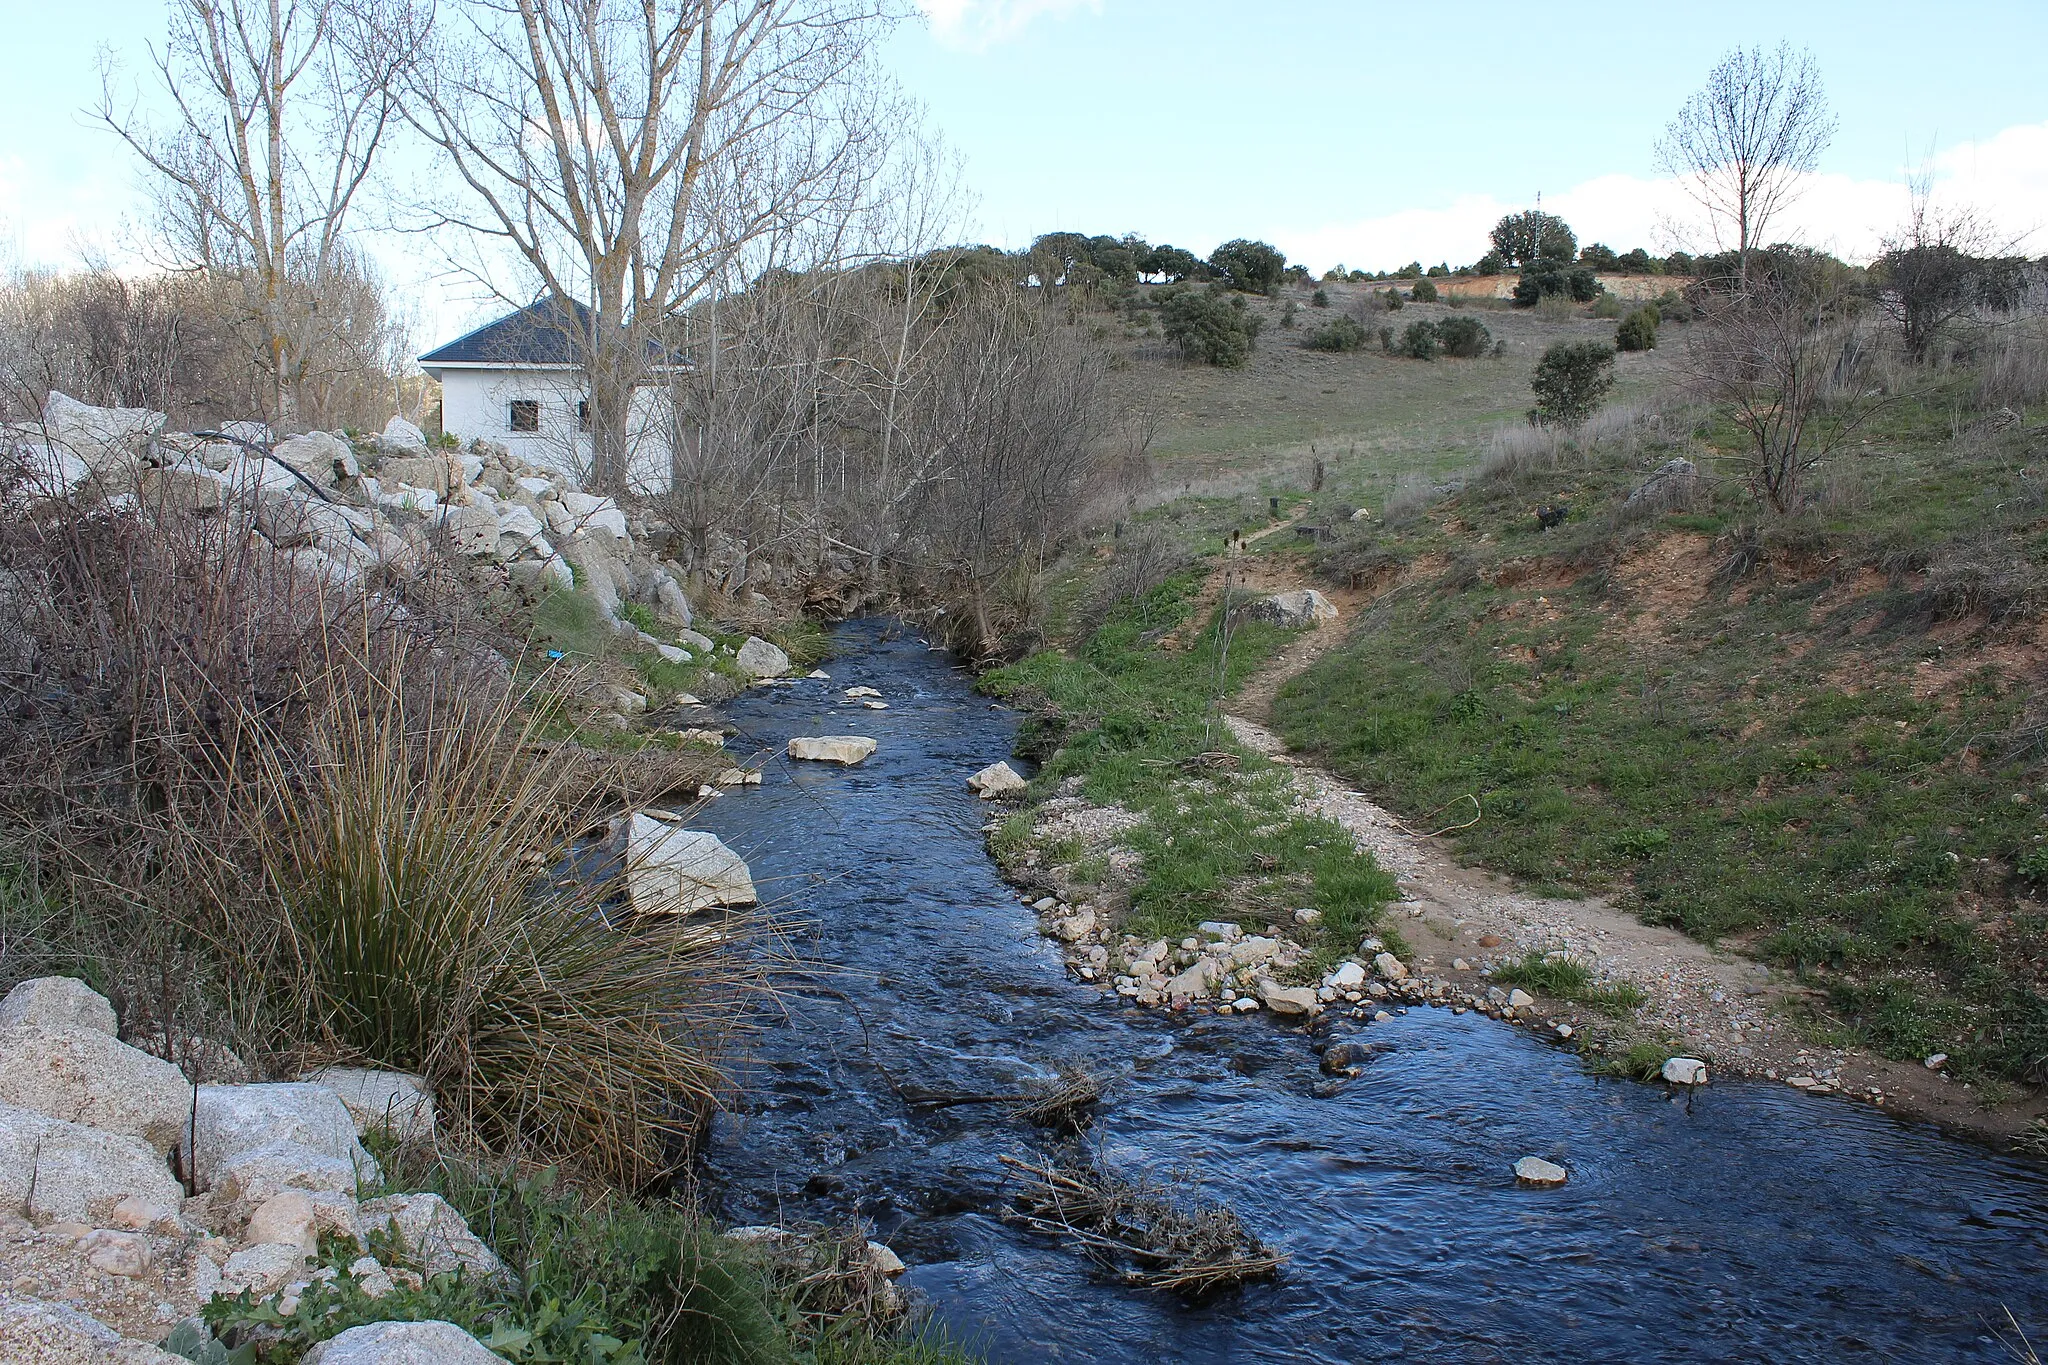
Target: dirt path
1458,920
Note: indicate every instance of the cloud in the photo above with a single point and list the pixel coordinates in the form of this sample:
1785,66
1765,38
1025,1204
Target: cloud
977,25
2004,178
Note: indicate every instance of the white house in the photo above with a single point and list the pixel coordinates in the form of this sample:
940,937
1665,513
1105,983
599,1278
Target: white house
517,381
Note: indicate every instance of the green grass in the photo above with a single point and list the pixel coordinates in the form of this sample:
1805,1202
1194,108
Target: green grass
1761,763
1642,1062
599,1280
1564,979
1141,726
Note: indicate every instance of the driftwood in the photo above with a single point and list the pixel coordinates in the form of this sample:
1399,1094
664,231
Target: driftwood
1134,1229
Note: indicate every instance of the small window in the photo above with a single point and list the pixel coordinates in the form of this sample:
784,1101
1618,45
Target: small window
583,415
525,414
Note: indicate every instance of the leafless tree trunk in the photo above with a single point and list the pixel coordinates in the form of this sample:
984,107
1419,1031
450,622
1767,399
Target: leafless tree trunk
1741,144
625,153
282,106
1942,266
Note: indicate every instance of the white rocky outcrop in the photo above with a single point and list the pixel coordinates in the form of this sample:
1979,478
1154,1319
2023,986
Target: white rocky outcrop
58,1002
35,1332
105,439
402,436
997,779
86,1076
402,1343
842,749
675,871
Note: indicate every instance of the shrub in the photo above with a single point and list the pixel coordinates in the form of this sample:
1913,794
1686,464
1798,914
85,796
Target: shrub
1556,279
1607,306
1287,315
1320,299
1638,331
1463,336
1210,328
1392,298
409,847
1570,381
1338,334
1424,291
1252,267
1387,340
1420,341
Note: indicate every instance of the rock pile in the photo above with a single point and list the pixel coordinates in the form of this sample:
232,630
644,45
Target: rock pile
102,1252
340,507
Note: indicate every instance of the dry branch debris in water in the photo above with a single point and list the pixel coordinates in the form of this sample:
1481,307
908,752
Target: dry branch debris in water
1137,1230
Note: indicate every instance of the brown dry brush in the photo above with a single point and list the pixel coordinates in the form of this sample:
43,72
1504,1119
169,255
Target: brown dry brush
321,827
1136,1229
1066,1104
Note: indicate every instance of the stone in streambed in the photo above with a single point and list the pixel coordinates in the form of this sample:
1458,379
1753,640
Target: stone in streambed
997,779
845,750
1535,1171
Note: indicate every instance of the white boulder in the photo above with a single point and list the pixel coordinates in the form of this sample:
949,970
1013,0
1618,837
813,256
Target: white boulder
321,456
85,1076
250,1178
1389,966
393,1101
55,1171
403,1343
434,1234
231,1120
263,1269
842,749
35,1332
760,659
1534,1170
1685,1071
105,438
673,871
401,435
1287,999
58,1002
997,779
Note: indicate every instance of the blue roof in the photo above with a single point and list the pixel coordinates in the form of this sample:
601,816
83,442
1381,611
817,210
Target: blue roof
543,333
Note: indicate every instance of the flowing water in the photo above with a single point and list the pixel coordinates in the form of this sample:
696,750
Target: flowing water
1749,1223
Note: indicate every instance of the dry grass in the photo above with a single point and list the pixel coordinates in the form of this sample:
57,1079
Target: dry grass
1134,1228
2014,369
1066,1105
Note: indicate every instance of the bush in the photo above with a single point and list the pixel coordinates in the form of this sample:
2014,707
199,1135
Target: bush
1420,341
1392,298
1638,331
1210,328
1556,279
1338,334
1607,306
1252,267
1424,291
1463,336
1287,315
1320,299
1570,382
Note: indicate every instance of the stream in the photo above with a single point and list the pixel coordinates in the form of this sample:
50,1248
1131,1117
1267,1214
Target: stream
1750,1222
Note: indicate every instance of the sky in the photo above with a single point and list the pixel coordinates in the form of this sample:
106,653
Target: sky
1342,131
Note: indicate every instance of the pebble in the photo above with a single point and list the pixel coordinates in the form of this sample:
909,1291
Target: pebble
1935,1061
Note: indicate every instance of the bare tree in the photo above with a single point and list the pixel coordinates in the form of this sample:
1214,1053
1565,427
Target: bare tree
624,153
1787,358
1941,266
281,107
1742,143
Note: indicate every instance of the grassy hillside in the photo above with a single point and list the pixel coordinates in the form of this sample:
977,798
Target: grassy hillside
1817,737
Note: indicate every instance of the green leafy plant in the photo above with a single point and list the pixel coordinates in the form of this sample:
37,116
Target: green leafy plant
1463,336
1424,291
1570,381
1420,341
1338,334
1638,331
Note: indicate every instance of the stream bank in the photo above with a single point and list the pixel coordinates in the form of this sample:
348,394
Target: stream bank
1740,1222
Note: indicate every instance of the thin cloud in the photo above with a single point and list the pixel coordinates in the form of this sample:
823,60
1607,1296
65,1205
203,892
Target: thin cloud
977,25
2004,178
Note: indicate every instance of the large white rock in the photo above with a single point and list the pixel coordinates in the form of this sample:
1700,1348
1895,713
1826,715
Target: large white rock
250,1178
47,471
402,1343
472,531
672,871
1303,607
433,1234
1287,999
85,1076
997,779
1534,1170
292,516
760,659
321,456
517,521
264,1268
36,1332
234,1119
58,1002
403,436
393,1101
588,513
56,1171
429,473
1389,966
843,749
102,437
1685,1071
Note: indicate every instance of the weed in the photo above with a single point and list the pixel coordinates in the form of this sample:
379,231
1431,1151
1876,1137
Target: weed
1563,978
1642,1062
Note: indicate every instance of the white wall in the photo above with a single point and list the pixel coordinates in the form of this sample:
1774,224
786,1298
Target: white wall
479,403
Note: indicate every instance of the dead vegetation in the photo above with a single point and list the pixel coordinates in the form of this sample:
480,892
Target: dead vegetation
1136,1229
